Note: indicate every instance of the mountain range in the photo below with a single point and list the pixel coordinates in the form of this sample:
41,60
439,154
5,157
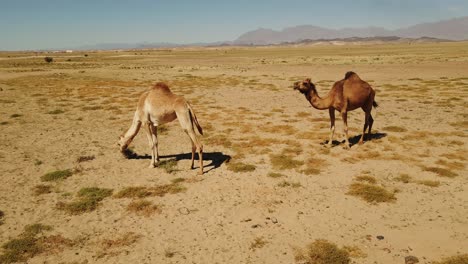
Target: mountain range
453,29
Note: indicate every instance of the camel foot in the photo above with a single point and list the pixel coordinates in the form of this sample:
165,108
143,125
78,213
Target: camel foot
153,165
361,142
346,146
200,173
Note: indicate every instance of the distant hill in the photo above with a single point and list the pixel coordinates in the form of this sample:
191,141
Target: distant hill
453,29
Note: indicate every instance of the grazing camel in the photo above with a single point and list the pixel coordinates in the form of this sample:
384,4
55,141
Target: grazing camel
158,106
346,95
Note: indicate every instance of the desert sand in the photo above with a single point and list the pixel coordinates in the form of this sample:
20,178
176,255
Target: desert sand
271,186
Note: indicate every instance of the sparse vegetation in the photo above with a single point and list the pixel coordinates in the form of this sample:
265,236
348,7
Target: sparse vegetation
57,175
48,59
42,189
123,240
366,178
395,129
258,242
429,183
168,165
371,193
2,215
275,175
283,162
88,200
459,259
85,158
404,178
143,207
322,251
26,246
56,112
160,190
240,167
289,184
441,172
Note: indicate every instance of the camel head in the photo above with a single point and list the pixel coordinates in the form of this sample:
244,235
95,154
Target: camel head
305,86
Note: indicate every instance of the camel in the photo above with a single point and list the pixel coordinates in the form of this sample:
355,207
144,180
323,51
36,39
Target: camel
346,95
158,106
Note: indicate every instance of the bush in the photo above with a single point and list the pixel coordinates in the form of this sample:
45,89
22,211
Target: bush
49,59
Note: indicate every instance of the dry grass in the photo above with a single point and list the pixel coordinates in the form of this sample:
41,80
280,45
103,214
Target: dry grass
2,215
366,178
289,184
459,259
88,200
168,165
258,242
143,207
429,183
275,175
282,162
355,252
159,190
123,240
42,189
240,167
404,178
57,175
322,251
26,246
85,158
371,193
441,172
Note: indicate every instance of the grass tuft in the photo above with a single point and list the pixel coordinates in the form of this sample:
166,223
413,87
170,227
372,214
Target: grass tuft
275,175
258,242
395,129
459,259
56,112
429,183
57,175
143,207
322,252
141,192
88,200
240,167
85,158
168,165
283,162
42,189
370,193
366,178
26,246
404,178
441,172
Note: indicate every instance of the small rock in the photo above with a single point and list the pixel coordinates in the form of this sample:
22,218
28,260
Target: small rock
380,237
184,210
246,220
300,212
256,225
411,260
274,220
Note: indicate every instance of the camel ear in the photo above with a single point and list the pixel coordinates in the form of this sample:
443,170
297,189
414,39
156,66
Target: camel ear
308,80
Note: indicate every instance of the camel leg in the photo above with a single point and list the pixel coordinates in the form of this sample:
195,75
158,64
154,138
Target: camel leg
196,145
186,124
153,143
344,115
371,121
332,125
366,124
193,153
130,134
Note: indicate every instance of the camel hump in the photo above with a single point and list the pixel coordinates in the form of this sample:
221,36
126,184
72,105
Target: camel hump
351,75
162,87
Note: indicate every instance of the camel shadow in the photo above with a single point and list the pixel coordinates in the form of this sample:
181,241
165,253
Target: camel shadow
354,140
216,158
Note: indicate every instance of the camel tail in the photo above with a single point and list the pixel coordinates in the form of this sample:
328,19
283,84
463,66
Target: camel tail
194,119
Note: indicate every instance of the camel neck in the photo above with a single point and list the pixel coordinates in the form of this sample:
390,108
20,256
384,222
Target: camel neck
317,102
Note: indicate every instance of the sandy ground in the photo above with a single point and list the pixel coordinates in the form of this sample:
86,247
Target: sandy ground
244,100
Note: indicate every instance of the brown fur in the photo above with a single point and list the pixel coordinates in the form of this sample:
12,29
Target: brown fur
346,95
158,106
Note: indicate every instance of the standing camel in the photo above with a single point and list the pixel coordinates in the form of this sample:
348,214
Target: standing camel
158,106
346,95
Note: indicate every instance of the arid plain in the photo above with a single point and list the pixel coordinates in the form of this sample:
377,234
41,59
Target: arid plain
271,186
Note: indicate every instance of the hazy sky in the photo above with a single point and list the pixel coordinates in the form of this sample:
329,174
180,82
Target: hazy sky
40,24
